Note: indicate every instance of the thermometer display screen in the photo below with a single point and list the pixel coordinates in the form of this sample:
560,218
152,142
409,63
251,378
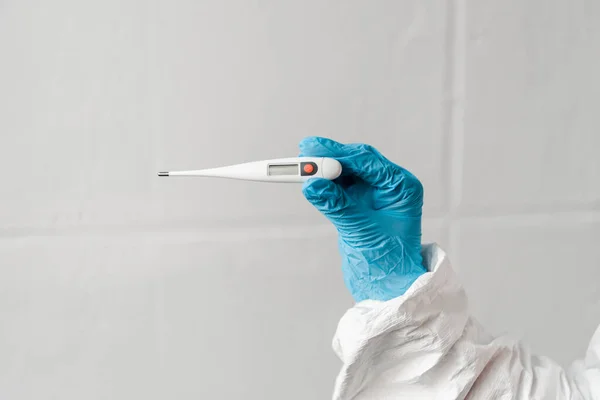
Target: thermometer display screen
283,169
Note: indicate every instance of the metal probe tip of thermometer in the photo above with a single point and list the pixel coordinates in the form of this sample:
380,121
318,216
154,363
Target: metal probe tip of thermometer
282,170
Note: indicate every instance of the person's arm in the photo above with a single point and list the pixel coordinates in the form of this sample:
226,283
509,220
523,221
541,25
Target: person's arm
411,336
425,345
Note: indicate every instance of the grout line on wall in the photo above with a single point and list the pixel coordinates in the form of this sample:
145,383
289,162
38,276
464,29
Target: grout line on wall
170,234
242,232
454,112
446,128
525,210
447,90
457,114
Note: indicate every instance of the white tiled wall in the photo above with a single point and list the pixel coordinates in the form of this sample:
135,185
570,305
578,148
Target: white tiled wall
115,284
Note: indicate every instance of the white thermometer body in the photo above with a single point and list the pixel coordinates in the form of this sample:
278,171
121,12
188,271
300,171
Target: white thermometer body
282,170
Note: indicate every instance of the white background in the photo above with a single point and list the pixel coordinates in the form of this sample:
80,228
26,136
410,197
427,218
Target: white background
115,284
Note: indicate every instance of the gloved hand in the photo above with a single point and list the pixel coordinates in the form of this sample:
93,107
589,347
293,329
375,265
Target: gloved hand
376,207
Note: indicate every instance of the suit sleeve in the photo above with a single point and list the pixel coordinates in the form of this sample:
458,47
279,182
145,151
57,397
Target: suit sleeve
425,345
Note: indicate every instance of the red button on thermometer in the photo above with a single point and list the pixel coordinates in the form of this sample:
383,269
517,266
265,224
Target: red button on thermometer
284,170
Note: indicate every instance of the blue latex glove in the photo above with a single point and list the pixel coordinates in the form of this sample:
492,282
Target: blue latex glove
376,207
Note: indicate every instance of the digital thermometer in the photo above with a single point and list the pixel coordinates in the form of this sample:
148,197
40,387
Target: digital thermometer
284,170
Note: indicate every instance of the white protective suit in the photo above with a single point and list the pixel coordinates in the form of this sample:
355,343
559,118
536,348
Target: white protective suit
425,345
